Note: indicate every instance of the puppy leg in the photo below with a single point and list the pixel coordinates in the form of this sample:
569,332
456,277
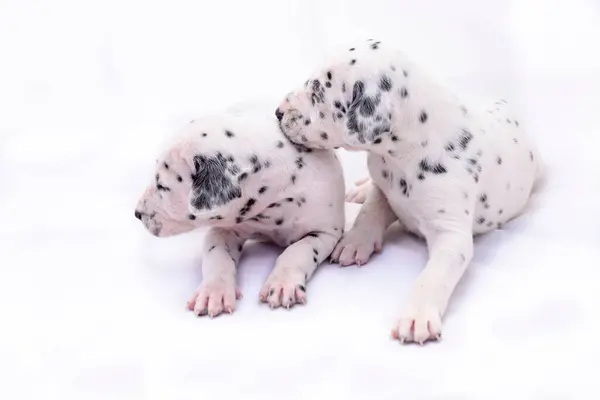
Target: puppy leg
450,252
359,193
366,235
286,285
218,291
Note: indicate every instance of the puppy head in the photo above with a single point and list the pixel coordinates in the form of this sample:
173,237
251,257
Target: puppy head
346,103
189,188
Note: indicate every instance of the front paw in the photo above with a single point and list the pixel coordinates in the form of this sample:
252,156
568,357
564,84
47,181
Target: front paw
419,323
358,194
356,247
283,290
214,298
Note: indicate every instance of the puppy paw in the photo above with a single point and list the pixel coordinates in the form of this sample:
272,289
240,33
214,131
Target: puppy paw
214,298
419,323
356,247
359,193
283,290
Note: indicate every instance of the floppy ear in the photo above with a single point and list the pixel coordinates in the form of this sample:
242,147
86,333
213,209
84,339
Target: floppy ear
368,116
216,180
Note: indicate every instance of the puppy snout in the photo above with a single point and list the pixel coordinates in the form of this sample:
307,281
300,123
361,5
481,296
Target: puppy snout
138,215
278,114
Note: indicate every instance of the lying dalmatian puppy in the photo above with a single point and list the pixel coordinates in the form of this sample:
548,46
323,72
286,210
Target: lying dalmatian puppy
235,173
444,170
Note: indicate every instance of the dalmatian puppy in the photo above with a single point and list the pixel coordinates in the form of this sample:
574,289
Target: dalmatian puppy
442,169
235,173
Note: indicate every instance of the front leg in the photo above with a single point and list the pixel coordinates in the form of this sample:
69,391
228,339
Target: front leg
450,252
286,285
218,291
366,235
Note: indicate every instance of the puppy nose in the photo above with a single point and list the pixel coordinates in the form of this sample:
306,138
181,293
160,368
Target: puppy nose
138,215
278,114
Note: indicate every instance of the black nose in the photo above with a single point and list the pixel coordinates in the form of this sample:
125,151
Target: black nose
138,215
278,114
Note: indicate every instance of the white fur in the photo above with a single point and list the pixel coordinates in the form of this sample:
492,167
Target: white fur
445,170
305,214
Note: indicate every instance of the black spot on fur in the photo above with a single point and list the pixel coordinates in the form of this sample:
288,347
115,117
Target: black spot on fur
353,61
301,287
450,147
211,186
405,73
262,190
192,217
159,186
531,156
299,162
421,177
375,45
404,187
377,141
480,220
315,259
293,179
280,144
369,104
500,211
423,117
321,115
441,211
273,205
211,249
279,221
483,198
307,122
499,160
239,220
304,138
324,136
435,168
344,87
229,134
328,84
242,176
394,138
329,75
204,134
403,93
289,199
464,138
179,178
247,207
385,174
166,165
385,83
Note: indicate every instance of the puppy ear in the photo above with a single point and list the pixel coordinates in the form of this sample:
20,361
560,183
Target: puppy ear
368,116
216,181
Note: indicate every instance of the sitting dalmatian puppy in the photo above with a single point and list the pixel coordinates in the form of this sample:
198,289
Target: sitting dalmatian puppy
444,170
235,173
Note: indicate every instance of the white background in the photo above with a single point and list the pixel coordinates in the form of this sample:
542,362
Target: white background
92,307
